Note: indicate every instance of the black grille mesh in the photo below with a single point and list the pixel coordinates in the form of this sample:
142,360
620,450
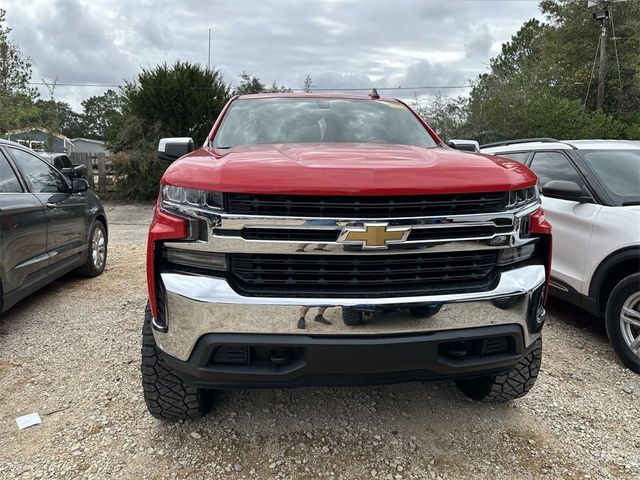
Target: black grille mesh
317,275
365,206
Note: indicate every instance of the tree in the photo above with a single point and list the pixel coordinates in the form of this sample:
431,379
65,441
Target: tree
101,113
178,100
251,84
571,46
308,83
172,100
499,99
16,96
539,84
447,116
57,117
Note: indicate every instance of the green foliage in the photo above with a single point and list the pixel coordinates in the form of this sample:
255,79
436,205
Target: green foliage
16,97
179,100
251,84
447,116
101,115
570,47
538,84
568,119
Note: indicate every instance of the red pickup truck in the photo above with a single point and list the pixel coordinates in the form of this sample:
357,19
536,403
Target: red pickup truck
335,240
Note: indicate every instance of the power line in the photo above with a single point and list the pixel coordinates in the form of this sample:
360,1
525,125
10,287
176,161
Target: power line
114,85
593,67
615,46
79,84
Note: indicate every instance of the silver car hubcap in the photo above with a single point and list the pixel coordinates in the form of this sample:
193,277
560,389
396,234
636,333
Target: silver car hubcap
98,248
630,322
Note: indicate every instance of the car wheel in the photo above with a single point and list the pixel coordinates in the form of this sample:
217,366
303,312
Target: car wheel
167,397
622,318
97,254
509,385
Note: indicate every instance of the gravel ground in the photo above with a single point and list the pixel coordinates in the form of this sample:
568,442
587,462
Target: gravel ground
71,353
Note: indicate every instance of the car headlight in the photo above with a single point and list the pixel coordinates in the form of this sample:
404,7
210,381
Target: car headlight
524,196
189,202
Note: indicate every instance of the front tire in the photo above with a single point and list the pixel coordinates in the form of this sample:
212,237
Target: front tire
512,384
166,395
622,318
97,254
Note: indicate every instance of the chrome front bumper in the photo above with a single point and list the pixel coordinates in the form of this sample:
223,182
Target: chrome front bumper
198,305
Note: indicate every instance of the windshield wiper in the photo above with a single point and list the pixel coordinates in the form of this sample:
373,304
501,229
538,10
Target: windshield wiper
635,202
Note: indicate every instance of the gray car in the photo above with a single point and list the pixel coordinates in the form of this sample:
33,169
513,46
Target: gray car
49,225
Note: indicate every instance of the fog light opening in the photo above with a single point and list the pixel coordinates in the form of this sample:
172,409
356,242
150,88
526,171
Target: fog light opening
499,240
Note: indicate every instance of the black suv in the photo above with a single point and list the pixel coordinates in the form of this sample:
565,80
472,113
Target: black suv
49,225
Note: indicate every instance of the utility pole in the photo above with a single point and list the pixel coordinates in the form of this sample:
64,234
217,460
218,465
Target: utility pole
602,70
209,55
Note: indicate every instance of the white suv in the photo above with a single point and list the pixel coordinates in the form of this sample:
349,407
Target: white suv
591,196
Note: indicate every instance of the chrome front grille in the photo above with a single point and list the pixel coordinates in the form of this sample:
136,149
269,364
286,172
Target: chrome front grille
365,206
291,253
319,235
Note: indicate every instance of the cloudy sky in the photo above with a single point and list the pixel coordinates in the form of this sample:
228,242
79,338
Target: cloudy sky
340,43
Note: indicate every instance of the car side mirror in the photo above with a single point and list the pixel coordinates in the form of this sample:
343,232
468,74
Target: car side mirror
464,145
80,171
562,189
79,185
170,149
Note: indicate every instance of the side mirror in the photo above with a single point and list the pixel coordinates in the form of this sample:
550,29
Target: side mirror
79,185
80,171
170,149
464,145
562,189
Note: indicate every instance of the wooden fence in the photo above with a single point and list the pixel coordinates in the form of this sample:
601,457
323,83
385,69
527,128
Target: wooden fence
99,173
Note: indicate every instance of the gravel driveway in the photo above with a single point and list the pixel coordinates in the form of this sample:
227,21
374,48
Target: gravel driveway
71,353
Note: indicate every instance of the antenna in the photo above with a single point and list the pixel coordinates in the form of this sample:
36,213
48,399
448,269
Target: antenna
209,56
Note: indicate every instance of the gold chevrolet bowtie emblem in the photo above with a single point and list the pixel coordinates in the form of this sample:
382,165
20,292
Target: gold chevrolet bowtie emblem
373,235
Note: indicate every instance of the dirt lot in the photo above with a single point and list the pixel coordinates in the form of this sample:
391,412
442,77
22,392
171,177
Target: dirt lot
71,353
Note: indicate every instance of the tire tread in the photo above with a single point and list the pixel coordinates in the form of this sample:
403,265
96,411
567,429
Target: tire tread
507,386
167,397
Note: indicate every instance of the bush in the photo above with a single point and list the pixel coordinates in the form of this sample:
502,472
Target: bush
137,175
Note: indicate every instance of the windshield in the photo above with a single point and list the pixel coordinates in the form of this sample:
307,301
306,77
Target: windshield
311,120
618,171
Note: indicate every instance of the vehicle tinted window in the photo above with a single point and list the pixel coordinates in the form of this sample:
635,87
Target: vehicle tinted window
42,177
618,170
61,162
517,156
555,166
8,180
311,120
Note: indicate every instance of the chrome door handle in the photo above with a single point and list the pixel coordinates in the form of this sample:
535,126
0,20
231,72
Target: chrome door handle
51,205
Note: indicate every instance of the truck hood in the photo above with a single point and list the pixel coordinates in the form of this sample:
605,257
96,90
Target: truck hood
346,169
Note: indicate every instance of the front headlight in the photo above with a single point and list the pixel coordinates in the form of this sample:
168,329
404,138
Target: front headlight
188,202
522,197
